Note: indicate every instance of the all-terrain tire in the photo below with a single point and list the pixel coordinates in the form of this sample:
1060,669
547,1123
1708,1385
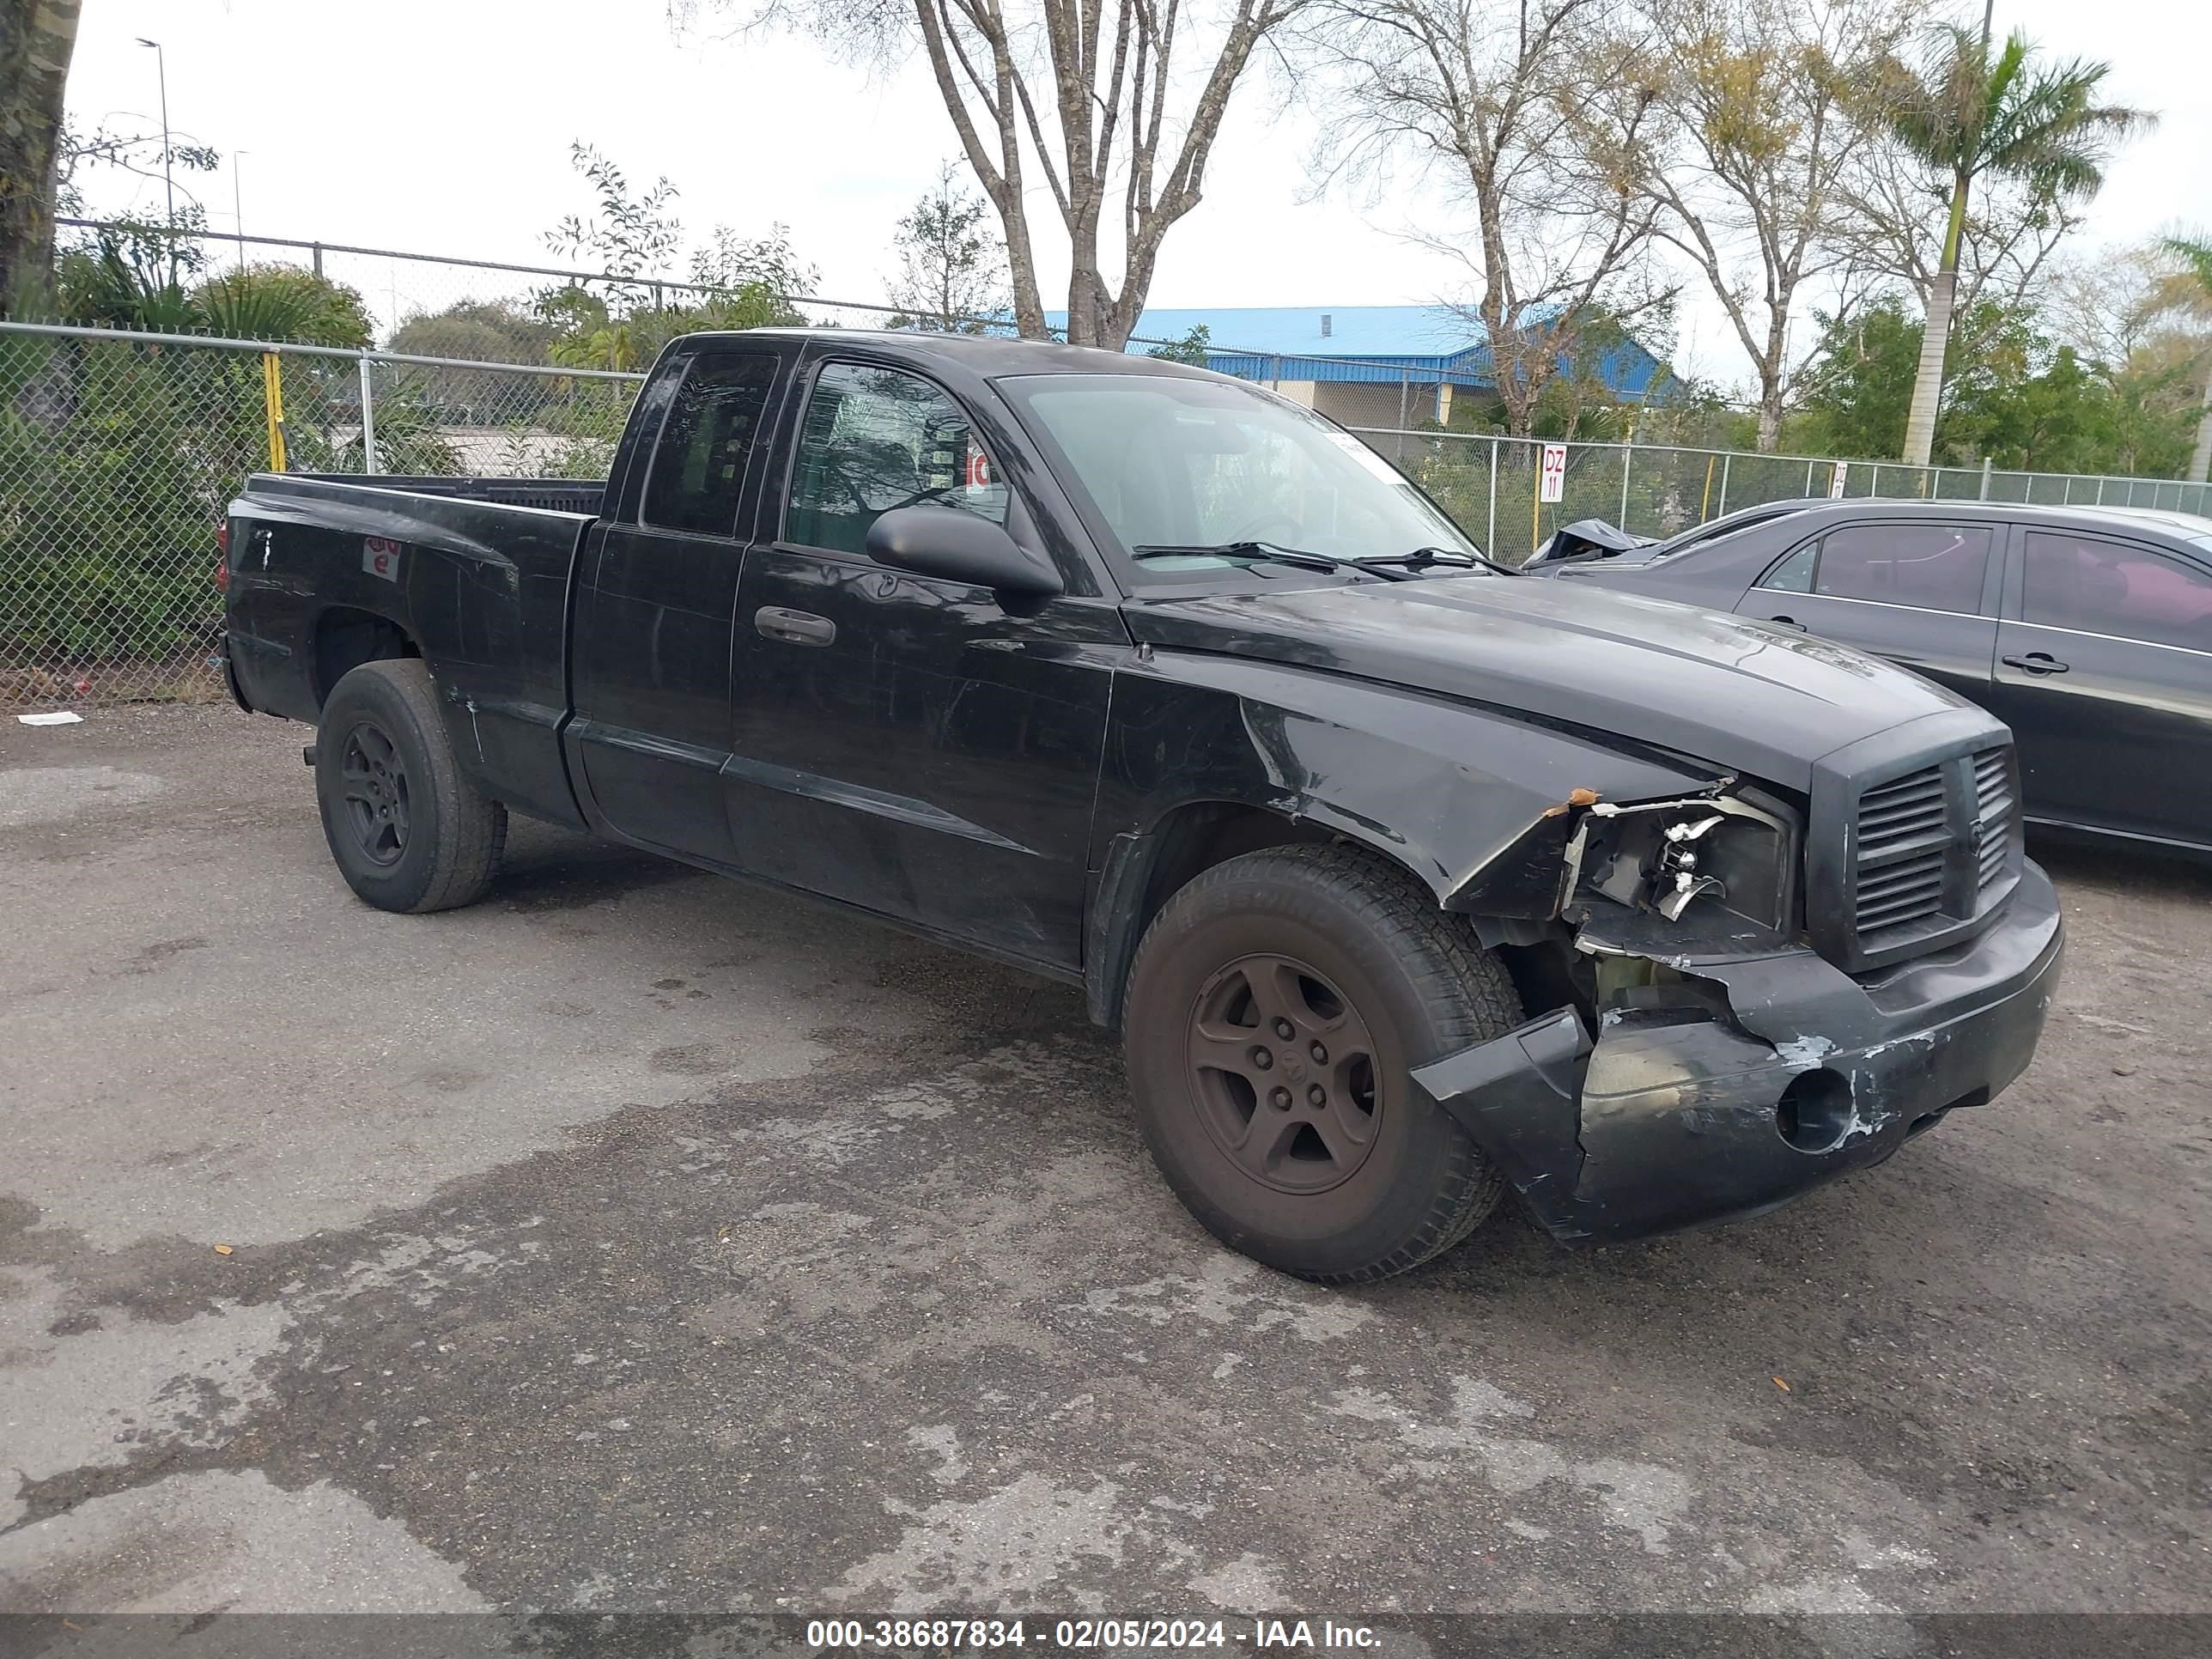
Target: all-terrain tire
1339,932
408,829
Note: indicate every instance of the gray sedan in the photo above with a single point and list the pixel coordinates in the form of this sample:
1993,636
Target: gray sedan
2088,631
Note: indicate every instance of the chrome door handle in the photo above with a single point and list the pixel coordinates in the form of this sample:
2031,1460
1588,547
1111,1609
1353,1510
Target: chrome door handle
793,627
2037,662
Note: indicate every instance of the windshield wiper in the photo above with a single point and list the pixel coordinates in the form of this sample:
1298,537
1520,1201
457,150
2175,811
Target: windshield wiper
1272,554
1421,558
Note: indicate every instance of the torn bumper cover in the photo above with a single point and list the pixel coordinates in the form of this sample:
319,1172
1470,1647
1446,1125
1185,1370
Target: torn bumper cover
1752,1079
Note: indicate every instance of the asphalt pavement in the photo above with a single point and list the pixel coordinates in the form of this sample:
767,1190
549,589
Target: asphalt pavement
637,1240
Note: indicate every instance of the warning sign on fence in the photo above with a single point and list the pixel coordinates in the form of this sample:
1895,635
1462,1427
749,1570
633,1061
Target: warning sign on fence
1555,473
1836,480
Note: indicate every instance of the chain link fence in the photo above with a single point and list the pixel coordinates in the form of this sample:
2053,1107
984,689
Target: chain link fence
119,452
1493,486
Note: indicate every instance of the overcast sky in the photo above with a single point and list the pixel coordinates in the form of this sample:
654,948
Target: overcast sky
444,125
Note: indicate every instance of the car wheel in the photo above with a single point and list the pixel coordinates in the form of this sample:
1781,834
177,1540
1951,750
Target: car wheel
408,830
1277,1007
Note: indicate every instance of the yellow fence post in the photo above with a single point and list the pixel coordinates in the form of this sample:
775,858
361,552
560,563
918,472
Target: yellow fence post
1706,500
272,402
1535,503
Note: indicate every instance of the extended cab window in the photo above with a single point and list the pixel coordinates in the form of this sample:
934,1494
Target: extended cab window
700,462
1928,566
874,439
2103,587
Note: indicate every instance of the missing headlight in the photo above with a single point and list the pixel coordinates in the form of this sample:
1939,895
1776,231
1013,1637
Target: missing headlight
1725,851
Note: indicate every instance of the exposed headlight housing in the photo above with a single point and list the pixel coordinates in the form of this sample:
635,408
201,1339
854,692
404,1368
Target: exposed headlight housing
1686,859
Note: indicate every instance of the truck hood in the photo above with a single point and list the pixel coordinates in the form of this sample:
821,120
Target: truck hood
1738,694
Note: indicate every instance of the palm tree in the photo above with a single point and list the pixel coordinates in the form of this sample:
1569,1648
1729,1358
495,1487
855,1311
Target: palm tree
1966,115
2190,290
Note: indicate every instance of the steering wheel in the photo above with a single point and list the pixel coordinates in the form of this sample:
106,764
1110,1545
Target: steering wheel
1258,530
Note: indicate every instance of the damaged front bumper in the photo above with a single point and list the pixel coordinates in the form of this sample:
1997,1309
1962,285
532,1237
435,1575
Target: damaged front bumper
1742,1081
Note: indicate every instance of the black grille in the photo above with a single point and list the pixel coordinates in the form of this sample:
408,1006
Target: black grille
1996,806
1903,841
1931,849
1891,814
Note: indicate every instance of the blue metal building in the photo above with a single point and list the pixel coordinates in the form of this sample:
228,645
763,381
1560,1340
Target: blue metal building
1376,366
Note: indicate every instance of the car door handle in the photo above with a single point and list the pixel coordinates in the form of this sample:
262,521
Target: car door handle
1788,622
2037,662
793,627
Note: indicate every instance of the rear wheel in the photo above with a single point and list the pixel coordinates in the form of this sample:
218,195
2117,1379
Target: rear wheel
408,830
1276,1008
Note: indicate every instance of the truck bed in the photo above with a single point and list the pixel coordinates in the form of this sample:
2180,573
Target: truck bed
547,494
329,570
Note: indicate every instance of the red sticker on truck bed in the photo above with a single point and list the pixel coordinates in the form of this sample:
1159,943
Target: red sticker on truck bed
381,558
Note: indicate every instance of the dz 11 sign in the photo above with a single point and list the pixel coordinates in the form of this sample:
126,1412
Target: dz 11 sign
1555,473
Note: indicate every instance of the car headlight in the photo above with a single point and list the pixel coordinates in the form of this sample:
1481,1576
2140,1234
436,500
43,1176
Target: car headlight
1682,859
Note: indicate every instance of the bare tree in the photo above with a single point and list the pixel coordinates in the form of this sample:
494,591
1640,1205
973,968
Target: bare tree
1096,94
952,272
1534,114
2107,303
36,38
1760,137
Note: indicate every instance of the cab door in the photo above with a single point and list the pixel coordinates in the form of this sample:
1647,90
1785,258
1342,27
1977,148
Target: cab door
905,742
2104,674
657,601
1922,594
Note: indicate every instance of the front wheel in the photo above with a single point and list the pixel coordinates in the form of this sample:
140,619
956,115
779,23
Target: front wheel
408,831
1277,1007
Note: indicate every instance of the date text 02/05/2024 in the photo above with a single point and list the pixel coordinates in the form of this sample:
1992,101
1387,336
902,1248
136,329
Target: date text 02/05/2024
949,1634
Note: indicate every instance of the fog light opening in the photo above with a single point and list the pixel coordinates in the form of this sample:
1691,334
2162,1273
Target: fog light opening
1814,1112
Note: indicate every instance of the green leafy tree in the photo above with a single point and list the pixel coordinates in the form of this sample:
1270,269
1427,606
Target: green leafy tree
478,331
282,302
729,260
1968,113
149,278
736,282
1859,383
2012,395
952,270
1192,349
628,234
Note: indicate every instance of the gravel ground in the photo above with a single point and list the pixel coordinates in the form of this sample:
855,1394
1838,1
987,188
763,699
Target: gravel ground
637,1240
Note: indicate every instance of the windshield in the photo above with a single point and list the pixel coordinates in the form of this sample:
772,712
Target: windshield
1191,465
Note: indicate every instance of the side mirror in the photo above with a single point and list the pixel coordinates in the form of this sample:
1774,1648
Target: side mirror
943,541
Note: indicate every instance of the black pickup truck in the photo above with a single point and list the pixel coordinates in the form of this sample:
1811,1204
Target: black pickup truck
1407,878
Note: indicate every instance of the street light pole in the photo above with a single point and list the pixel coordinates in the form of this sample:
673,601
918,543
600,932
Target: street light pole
168,182
237,210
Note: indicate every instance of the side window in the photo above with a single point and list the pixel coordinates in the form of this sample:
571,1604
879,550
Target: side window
699,464
874,439
1930,567
1794,573
2103,587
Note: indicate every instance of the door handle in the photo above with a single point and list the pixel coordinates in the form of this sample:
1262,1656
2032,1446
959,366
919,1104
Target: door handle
793,627
1788,622
2037,662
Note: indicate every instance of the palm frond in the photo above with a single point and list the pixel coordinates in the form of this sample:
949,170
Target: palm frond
1968,110
2195,253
